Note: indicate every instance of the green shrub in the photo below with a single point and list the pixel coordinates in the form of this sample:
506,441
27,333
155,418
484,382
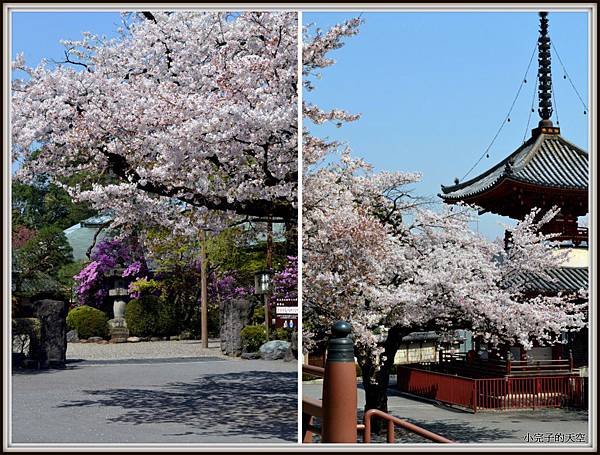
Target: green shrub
88,321
258,315
253,336
280,334
214,322
150,316
168,317
140,315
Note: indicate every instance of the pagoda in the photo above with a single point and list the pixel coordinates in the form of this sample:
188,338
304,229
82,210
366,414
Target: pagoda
546,171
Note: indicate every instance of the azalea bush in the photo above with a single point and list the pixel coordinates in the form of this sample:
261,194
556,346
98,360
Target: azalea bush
93,281
285,282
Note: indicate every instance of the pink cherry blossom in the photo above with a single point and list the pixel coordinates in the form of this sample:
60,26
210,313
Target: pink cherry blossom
185,119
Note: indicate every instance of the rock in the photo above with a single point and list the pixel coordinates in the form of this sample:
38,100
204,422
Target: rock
165,338
83,340
102,342
118,340
72,336
144,338
94,339
250,355
155,339
174,338
118,328
53,319
133,340
185,335
292,352
274,350
235,314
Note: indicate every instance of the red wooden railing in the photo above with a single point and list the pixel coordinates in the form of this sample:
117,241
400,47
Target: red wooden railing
312,408
527,392
446,388
577,236
509,392
395,421
482,368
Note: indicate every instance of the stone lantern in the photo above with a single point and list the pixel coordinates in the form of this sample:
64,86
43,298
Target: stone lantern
119,292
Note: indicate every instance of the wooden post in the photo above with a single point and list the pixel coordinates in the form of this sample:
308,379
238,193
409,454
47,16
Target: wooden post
203,291
269,263
339,388
571,364
266,297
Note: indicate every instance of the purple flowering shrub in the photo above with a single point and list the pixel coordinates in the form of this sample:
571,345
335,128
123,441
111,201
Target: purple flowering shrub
228,287
92,283
285,282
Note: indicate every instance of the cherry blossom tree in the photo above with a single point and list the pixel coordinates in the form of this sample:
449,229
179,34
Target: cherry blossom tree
376,256
191,114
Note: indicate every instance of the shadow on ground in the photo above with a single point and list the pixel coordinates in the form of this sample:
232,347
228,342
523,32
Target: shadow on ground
259,404
41,371
465,433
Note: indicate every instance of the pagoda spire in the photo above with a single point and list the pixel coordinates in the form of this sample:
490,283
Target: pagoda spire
544,73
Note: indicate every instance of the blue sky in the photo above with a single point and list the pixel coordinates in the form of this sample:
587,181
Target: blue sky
37,34
433,89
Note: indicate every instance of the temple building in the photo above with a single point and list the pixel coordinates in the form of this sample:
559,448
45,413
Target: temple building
546,171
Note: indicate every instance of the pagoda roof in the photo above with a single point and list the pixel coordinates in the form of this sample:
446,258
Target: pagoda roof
570,279
545,160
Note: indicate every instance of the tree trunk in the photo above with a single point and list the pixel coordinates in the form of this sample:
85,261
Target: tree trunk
375,382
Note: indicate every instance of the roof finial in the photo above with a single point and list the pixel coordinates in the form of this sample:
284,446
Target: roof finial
544,73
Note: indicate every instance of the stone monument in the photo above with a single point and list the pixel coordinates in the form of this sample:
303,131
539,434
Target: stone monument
235,315
117,325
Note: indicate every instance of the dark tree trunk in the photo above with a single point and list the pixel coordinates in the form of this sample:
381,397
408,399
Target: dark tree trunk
375,382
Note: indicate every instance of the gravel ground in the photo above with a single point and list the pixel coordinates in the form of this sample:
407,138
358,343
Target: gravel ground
143,350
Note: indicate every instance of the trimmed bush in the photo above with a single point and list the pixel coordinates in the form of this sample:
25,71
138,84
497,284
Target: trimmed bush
167,322
150,316
88,321
252,337
140,315
258,315
280,334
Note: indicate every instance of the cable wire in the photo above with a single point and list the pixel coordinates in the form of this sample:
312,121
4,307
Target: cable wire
569,78
555,103
507,117
531,109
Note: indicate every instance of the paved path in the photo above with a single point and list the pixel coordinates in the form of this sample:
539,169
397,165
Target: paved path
497,427
181,400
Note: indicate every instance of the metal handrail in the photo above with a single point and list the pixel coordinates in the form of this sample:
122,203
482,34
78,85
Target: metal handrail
392,421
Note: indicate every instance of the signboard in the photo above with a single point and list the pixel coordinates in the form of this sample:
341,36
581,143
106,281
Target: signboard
286,313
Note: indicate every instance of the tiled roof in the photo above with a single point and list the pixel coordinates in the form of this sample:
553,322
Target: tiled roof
569,279
81,235
548,160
